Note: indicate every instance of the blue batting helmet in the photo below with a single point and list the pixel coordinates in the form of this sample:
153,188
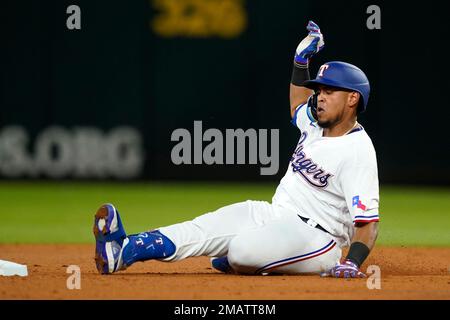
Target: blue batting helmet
342,75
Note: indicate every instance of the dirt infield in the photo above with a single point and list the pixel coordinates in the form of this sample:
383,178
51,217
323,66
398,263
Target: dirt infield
406,273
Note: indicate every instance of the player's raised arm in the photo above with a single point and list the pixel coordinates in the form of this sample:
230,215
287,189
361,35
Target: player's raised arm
309,46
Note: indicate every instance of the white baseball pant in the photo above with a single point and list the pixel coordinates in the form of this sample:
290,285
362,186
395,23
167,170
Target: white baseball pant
258,237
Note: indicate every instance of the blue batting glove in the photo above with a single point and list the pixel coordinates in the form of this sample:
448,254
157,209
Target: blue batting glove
347,269
310,45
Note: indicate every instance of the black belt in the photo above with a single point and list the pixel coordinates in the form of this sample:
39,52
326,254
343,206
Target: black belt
318,226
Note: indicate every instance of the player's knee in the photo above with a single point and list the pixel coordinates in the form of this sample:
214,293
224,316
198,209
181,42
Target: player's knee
241,256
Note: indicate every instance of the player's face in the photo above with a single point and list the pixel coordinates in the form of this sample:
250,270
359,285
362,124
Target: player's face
331,105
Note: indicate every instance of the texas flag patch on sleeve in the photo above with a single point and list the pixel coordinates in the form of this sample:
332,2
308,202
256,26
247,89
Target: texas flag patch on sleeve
366,215
358,203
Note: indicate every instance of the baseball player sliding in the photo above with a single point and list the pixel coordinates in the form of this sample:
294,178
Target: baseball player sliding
328,198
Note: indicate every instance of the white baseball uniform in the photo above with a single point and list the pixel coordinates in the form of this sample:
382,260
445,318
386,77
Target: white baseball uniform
331,181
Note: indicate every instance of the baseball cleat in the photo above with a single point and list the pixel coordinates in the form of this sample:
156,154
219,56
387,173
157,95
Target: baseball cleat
221,264
108,256
107,224
110,238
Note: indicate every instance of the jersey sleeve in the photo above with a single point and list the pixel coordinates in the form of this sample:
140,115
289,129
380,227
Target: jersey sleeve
361,191
303,118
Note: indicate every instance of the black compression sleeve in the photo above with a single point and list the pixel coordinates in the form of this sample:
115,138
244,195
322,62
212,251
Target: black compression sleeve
358,253
300,73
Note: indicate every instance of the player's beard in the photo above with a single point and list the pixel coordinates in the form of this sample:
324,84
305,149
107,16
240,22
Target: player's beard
328,123
324,124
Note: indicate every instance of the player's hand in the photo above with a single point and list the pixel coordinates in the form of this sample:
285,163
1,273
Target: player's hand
347,269
310,45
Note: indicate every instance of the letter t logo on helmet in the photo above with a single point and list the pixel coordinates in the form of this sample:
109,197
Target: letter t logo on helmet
343,75
322,69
